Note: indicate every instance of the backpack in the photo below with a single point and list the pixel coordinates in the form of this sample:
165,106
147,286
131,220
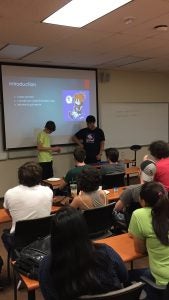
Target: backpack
31,256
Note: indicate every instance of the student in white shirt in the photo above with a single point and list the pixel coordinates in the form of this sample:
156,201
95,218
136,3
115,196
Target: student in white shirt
28,200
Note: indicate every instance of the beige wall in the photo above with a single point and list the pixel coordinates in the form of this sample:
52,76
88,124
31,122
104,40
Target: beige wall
122,87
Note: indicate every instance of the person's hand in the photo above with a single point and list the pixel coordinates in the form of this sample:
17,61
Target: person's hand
56,149
98,156
81,145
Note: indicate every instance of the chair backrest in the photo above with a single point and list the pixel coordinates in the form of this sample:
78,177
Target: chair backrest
113,180
27,231
99,220
131,292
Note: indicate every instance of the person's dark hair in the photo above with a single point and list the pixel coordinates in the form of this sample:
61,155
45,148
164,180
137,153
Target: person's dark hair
156,197
89,180
159,149
112,154
90,119
79,154
50,125
30,174
74,259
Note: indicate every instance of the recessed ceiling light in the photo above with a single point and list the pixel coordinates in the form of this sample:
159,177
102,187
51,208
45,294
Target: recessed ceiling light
161,27
11,51
78,13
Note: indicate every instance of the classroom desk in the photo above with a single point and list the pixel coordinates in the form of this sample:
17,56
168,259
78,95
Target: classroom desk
123,244
5,218
115,196
130,171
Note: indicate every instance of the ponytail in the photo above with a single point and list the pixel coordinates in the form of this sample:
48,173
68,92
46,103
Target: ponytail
156,197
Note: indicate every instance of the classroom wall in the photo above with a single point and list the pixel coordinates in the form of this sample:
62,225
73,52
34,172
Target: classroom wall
113,86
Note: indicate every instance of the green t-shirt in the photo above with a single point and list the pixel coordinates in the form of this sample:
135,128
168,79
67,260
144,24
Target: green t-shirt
141,227
73,173
44,139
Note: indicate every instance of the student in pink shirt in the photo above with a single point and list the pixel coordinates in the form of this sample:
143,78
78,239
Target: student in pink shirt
160,152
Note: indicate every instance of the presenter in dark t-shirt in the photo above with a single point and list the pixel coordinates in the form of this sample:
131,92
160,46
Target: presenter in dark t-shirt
91,139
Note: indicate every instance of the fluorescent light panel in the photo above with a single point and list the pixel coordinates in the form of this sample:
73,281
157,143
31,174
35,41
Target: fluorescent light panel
16,51
78,13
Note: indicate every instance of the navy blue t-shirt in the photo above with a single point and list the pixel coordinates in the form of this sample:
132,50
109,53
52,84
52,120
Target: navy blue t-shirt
110,277
91,141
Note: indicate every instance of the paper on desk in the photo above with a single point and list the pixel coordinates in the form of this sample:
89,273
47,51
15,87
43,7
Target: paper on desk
53,179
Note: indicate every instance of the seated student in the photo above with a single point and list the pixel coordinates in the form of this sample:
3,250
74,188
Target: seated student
114,166
72,174
76,265
129,199
160,152
28,200
149,227
89,196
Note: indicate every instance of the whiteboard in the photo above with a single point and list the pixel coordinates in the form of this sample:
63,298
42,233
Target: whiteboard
125,124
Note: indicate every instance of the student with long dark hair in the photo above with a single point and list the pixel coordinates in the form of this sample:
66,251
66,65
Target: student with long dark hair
149,227
76,265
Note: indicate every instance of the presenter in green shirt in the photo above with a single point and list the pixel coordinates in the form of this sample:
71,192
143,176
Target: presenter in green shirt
45,150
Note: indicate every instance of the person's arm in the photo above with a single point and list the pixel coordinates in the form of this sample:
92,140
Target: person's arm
139,245
5,204
98,156
40,147
136,232
75,202
125,200
47,287
8,212
118,264
77,141
119,206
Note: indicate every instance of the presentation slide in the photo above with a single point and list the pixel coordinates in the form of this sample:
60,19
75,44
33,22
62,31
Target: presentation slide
34,95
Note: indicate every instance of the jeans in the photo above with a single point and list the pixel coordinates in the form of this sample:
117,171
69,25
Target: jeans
8,241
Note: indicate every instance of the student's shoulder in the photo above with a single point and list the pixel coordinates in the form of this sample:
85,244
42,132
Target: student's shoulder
13,189
142,215
43,187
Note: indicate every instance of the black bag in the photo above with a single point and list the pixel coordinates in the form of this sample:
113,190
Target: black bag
31,256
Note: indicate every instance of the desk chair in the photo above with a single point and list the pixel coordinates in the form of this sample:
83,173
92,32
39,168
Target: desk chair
27,231
112,180
161,291
99,221
31,285
131,292
135,148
